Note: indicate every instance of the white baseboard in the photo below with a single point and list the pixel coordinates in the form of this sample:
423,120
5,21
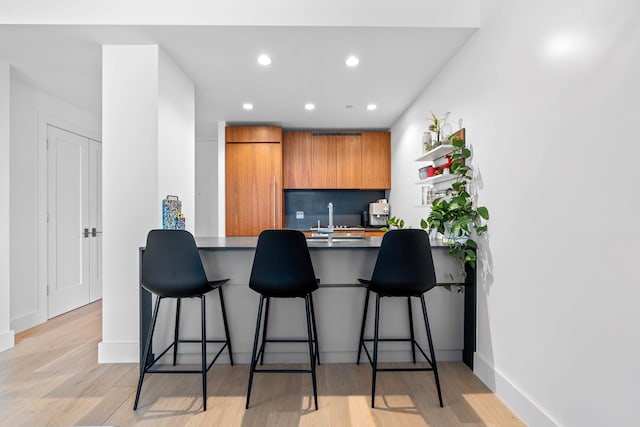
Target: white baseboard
118,352
515,399
26,321
7,340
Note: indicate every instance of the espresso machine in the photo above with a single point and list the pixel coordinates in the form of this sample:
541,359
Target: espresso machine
379,213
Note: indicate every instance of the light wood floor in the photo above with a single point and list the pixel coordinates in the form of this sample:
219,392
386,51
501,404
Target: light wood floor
52,378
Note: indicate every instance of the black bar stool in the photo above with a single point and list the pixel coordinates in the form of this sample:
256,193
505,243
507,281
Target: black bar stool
404,268
282,269
172,268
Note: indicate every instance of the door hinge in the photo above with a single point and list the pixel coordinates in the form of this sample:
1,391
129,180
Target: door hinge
47,144
47,290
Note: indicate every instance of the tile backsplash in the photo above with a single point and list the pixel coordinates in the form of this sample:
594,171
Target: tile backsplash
347,206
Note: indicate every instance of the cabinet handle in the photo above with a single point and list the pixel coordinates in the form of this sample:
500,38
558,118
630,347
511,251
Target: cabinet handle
85,233
274,201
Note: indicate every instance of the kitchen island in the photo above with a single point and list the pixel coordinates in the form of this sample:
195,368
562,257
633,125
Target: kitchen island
338,305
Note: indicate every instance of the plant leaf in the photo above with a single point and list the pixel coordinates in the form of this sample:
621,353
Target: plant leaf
483,212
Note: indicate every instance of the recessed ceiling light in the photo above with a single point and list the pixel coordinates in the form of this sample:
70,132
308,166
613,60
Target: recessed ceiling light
264,60
348,106
309,107
247,106
371,107
352,61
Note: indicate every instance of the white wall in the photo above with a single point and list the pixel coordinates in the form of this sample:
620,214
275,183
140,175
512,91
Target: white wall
31,110
23,204
176,137
6,334
148,136
206,219
549,92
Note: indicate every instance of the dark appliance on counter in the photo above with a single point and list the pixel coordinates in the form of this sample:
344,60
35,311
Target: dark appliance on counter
364,219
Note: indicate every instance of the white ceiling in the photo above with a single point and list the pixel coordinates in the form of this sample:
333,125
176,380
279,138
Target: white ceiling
308,66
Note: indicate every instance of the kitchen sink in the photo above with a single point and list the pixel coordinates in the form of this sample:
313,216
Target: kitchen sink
337,234
336,238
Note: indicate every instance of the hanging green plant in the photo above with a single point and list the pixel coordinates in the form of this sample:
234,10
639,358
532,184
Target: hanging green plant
455,215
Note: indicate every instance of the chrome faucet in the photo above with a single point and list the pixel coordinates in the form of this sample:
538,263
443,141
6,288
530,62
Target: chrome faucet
330,206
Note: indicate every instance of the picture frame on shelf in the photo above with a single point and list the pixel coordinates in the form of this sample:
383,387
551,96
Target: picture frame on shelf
427,195
458,135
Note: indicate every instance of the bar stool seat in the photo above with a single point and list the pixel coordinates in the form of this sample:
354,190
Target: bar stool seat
172,268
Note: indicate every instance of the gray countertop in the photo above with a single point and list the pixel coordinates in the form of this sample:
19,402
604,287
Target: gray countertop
212,243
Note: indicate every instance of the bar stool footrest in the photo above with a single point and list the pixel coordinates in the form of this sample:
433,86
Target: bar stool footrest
148,370
366,350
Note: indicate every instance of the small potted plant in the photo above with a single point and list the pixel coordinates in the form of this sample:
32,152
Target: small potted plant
435,128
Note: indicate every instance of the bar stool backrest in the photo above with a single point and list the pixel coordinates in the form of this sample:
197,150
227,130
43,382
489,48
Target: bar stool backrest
405,265
282,265
172,266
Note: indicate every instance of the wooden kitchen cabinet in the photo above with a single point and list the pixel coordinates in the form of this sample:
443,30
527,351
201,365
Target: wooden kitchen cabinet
337,161
254,192
296,159
376,160
248,134
348,161
323,163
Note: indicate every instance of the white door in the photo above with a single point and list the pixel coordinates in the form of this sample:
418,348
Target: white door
95,220
72,197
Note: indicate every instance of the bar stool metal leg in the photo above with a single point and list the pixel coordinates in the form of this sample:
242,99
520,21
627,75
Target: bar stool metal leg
364,321
264,330
147,349
433,353
315,331
312,357
413,339
226,325
204,352
375,352
176,331
255,348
